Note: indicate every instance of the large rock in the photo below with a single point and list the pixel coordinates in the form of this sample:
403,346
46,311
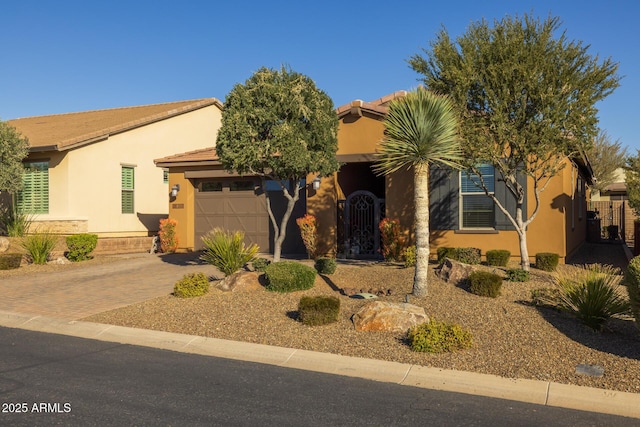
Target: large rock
452,271
4,244
241,281
388,316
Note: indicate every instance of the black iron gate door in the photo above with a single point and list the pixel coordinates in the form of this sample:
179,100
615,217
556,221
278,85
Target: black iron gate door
362,214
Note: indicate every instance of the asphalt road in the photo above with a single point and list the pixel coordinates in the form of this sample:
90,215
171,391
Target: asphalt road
48,379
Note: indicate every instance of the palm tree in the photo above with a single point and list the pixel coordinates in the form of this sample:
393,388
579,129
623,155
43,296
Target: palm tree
420,128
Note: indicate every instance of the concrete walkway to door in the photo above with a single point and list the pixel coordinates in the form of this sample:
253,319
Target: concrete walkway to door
92,288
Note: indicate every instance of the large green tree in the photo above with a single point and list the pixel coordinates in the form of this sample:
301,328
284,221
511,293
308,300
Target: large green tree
420,128
606,157
632,179
13,149
527,100
278,125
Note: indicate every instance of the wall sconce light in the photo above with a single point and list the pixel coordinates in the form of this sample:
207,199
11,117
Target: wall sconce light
174,190
316,182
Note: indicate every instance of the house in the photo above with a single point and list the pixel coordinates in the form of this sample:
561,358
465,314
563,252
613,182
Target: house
350,204
93,171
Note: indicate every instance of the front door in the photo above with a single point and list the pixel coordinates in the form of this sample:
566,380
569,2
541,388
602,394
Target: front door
362,214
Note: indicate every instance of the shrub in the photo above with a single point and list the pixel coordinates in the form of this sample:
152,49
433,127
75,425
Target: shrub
547,261
446,252
485,284
226,250
545,296
14,223
464,255
288,276
393,240
319,310
632,282
309,231
438,337
80,246
410,256
10,261
591,294
498,257
260,264
517,275
191,285
39,246
325,265
168,237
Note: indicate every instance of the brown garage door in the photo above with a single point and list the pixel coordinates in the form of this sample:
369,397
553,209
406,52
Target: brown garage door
232,204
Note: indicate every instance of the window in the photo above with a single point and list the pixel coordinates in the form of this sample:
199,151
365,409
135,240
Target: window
209,186
478,210
34,196
241,186
128,185
165,176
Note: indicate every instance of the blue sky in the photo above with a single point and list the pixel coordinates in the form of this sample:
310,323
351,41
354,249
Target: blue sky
64,56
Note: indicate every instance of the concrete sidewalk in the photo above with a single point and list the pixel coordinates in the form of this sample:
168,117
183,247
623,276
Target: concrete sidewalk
52,302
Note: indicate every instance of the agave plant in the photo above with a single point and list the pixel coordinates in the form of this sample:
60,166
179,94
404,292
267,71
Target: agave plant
226,250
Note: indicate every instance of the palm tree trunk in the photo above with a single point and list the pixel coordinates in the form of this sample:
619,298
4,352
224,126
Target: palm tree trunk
421,197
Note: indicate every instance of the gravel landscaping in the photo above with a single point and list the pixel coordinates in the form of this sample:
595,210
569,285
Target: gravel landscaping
512,338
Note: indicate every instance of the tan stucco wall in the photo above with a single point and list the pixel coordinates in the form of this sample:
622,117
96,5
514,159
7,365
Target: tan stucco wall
359,134
182,209
85,183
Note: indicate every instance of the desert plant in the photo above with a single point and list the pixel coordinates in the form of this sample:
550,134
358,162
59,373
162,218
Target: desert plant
191,285
591,294
260,264
289,276
39,246
318,310
309,231
632,283
485,284
325,265
545,297
438,337
498,257
168,236
14,222
80,246
10,261
446,252
547,261
410,256
468,255
226,250
393,240
517,275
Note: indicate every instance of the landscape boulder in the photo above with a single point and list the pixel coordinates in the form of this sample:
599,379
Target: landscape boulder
452,271
241,281
388,316
4,244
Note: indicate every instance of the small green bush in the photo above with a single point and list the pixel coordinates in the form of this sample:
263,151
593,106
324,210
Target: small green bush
517,275
438,337
464,255
226,250
325,265
10,261
289,276
498,257
547,261
39,246
80,246
318,310
191,285
446,252
410,256
485,284
260,264
632,282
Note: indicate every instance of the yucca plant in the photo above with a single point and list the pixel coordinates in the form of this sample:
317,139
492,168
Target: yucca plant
14,222
39,246
592,294
226,250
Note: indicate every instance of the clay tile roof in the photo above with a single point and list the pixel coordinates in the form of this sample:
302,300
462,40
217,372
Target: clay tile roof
190,157
65,131
377,107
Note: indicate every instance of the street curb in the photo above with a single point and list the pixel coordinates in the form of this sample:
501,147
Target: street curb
522,390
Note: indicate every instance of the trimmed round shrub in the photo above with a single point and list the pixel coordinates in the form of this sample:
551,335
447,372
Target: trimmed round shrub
446,252
468,255
517,275
289,276
485,284
191,285
498,257
438,337
260,264
632,282
318,310
325,265
80,246
547,261
10,261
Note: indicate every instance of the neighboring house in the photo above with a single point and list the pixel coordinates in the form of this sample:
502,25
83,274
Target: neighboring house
93,171
612,209
349,204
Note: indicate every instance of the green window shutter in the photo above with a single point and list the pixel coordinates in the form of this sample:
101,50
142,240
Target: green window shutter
128,186
34,196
